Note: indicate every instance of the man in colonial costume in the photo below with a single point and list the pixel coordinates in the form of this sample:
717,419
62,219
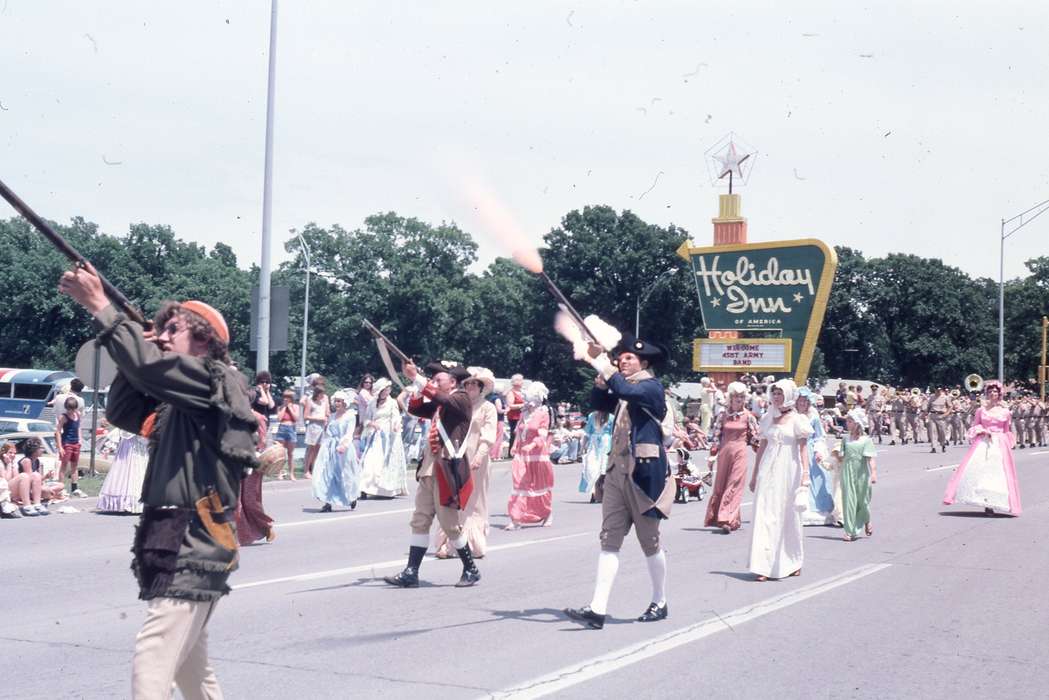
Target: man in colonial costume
638,488
445,482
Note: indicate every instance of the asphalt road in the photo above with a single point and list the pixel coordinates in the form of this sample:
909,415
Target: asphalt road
941,602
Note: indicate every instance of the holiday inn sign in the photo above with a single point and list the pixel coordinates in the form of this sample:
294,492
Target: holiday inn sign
779,286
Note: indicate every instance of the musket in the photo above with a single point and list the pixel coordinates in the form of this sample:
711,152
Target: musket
71,253
389,343
567,306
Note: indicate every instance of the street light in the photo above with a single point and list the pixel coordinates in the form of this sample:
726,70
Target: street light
1038,210
305,310
665,274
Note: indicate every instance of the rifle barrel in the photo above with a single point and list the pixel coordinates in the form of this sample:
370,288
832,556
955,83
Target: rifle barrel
70,252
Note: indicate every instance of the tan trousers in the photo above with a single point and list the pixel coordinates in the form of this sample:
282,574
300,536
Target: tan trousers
896,425
620,510
936,426
427,506
172,649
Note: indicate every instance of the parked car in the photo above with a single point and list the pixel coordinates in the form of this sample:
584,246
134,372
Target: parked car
49,460
25,425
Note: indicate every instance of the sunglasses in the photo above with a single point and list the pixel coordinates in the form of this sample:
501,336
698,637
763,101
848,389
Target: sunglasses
171,328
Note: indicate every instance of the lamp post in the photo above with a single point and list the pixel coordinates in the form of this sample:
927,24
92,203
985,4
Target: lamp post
262,355
305,311
648,292
1020,222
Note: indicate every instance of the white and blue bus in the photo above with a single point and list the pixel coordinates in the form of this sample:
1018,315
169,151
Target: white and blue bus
26,393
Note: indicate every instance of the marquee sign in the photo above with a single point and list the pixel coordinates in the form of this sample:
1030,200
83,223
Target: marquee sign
741,355
779,286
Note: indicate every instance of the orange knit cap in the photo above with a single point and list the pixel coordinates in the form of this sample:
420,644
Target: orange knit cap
211,315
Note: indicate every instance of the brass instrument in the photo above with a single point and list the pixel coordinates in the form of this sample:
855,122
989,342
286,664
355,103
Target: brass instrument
916,391
974,382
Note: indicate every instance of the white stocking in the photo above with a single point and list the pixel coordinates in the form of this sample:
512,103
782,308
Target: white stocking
607,566
657,569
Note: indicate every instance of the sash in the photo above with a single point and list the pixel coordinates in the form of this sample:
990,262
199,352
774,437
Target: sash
454,478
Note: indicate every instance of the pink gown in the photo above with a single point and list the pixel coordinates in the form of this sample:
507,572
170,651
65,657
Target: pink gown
986,478
531,500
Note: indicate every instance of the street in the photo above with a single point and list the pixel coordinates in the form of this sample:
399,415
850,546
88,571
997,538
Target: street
939,602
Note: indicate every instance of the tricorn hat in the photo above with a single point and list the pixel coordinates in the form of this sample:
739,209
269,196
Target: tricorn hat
455,369
654,353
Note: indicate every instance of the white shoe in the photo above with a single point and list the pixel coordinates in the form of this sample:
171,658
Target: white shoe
41,509
79,494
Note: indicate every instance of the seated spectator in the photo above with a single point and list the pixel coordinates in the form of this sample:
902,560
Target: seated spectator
565,445
7,471
24,482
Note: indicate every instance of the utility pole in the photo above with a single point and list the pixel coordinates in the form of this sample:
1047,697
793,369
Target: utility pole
262,356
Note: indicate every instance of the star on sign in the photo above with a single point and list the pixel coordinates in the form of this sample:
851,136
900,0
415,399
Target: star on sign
798,297
731,160
715,302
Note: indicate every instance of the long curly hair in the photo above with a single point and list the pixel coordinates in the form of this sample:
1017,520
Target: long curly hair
200,329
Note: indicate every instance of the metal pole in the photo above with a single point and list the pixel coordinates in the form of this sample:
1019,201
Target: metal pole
637,319
305,314
1001,309
262,358
95,379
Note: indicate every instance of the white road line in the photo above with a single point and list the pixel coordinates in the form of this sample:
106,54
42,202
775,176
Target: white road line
393,563
1043,452
323,520
621,658
936,469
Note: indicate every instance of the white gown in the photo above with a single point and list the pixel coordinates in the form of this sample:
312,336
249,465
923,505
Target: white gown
776,548
384,469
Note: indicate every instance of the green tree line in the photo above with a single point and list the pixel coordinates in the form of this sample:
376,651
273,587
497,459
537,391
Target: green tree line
899,319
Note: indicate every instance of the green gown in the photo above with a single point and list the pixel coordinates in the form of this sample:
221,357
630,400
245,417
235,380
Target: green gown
856,484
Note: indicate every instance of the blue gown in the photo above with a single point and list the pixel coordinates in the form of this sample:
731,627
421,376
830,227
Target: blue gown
821,487
337,477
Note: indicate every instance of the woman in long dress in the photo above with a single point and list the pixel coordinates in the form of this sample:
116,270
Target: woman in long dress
987,476
735,430
598,432
531,500
336,474
122,490
858,472
252,521
780,483
479,440
821,509
383,466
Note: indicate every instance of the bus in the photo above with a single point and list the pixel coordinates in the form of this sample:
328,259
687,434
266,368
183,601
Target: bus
25,393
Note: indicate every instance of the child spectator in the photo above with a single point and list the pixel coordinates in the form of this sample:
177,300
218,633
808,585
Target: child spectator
67,434
27,484
7,475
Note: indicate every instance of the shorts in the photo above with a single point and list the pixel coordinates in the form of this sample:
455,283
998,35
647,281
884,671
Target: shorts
286,433
71,452
314,431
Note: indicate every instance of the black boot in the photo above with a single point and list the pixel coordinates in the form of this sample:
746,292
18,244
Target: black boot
471,574
409,578
587,616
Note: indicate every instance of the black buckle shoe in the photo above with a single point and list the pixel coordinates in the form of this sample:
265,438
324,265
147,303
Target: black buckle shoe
587,616
654,613
409,578
469,578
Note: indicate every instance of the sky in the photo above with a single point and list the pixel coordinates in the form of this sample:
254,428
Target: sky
912,126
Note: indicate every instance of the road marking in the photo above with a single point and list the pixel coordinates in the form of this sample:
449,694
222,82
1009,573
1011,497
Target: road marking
323,520
936,469
613,661
393,563
1043,452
